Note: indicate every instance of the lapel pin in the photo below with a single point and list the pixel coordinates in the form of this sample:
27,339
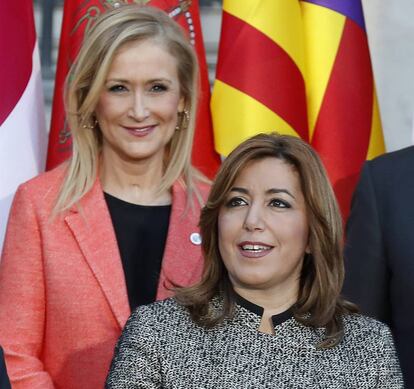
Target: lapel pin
195,238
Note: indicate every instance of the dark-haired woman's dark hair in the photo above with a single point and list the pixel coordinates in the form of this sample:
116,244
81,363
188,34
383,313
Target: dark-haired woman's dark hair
319,302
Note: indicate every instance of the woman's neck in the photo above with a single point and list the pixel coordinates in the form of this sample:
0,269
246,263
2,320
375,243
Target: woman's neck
136,182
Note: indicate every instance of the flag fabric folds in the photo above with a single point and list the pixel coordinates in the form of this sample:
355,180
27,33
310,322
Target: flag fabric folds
78,17
22,122
260,82
301,68
343,111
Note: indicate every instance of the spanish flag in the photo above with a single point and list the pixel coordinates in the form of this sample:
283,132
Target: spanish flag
301,68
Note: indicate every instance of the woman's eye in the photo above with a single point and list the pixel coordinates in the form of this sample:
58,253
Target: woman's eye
235,202
277,203
158,88
117,88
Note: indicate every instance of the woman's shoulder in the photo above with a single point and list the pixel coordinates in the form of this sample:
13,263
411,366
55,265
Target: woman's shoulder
46,182
364,329
369,344
160,311
164,319
361,322
41,191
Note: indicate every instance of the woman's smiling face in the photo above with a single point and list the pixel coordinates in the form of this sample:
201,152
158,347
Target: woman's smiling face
138,106
263,228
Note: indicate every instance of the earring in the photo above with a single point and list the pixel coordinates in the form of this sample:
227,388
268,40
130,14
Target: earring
90,126
183,120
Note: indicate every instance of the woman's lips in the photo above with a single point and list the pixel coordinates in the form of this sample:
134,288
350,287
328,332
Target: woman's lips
140,131
254,249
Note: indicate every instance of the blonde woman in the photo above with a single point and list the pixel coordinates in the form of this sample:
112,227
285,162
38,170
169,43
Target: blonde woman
116,225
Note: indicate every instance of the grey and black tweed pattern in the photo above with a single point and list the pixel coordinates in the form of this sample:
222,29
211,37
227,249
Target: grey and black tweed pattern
161,347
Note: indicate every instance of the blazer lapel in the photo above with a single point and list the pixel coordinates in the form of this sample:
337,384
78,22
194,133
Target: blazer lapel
181,262
91,226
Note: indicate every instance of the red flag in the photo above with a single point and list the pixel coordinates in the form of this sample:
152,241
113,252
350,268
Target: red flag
78,16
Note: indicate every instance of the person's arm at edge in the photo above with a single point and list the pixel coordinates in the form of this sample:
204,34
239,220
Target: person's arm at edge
366,272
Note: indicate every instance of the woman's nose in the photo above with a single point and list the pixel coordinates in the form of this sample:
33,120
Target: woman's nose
138,109
254,219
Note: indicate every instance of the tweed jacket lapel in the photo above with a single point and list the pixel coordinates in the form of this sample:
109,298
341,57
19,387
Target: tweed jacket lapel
91,226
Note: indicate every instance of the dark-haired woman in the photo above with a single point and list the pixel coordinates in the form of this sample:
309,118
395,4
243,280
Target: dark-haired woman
268,311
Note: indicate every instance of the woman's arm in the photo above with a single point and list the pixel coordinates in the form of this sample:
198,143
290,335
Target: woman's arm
136,363
22,297
389,372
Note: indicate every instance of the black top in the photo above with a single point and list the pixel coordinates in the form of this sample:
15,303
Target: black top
141,233
4,378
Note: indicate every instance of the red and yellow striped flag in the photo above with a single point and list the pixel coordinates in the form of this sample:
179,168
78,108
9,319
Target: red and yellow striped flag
344,121
260,82
302,68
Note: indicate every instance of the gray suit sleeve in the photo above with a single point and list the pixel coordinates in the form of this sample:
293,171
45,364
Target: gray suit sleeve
366,277
136,360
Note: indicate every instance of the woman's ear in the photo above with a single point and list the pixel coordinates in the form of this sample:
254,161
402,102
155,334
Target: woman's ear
181,104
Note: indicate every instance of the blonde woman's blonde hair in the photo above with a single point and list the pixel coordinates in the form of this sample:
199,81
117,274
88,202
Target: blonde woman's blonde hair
86,79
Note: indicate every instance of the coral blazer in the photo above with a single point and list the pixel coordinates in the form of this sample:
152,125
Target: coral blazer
63,297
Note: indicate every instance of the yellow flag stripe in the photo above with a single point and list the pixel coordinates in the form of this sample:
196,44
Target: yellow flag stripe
280,20
323,30
376,140
238,116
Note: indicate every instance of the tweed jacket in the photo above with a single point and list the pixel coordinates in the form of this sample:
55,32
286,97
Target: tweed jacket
63,297
161,347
